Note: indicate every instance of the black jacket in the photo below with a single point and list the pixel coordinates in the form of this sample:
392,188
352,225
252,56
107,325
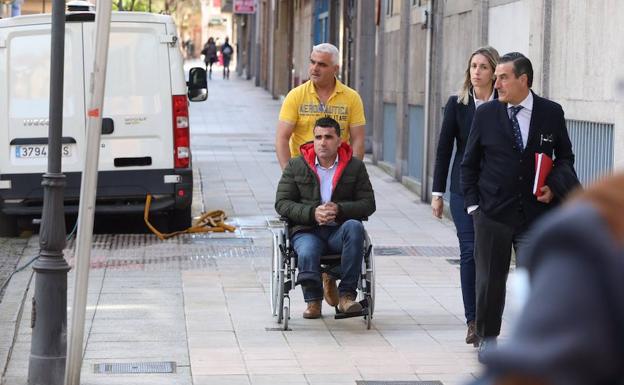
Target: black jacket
499,178
455,129
299,192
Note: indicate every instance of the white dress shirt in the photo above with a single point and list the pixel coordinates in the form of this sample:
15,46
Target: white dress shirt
326,177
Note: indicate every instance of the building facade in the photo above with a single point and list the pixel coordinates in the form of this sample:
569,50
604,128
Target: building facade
406,57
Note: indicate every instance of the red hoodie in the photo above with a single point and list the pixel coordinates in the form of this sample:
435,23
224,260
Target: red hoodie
345,153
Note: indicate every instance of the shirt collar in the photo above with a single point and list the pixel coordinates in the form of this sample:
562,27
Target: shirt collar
475,96
527,103
317,164
338,88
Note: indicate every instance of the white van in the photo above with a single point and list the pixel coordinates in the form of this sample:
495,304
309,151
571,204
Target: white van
145,147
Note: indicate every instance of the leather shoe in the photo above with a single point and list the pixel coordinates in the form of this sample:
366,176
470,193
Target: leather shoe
330,291
471,335
347,304
313,310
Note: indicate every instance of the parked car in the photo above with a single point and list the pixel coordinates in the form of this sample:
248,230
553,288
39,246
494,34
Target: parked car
145,144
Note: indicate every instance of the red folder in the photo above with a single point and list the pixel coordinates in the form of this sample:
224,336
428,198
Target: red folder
543,165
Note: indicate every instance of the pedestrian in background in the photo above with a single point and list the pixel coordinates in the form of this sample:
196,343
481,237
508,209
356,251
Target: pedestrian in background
210,55
226,54
571,330
322,95
478,88
497,175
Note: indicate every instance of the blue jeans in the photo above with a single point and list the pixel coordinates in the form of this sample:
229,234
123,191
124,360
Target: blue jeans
465,234
346,239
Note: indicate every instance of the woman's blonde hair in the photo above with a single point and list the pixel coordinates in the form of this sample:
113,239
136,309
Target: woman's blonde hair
491,54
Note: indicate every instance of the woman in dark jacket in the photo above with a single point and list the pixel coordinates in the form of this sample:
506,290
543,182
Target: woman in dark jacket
210,55
477,89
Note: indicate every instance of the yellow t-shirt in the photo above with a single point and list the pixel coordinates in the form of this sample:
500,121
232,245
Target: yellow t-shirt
302,107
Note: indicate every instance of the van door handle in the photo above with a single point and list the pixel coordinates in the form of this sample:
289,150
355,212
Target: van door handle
108,126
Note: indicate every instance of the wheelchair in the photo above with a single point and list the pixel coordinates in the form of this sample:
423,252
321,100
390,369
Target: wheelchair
283,277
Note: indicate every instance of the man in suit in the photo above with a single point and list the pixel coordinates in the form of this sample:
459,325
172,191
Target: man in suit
497,175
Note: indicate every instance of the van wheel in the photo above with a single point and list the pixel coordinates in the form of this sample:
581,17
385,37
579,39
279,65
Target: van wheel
8,225
180,219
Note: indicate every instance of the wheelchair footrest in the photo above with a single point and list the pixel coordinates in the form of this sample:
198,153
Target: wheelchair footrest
361,313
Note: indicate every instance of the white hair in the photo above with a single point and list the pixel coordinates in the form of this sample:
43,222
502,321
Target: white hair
330,49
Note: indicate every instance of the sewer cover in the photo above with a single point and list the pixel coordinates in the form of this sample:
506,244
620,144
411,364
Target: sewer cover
398,383
218,241
389,250
135,367
418,251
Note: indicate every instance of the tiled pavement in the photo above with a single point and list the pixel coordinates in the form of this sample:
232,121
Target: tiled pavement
202,301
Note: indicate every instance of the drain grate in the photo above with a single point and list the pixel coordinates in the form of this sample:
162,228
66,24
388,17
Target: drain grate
399,383
418,251
221,241
389,250
135,367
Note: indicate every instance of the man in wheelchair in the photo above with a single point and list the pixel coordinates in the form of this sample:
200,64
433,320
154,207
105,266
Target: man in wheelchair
325,193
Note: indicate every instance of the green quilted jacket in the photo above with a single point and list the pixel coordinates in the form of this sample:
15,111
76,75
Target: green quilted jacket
299,192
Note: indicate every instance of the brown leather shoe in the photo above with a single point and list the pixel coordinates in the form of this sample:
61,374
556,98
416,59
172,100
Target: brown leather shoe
471,335
313,310
347,304
330,291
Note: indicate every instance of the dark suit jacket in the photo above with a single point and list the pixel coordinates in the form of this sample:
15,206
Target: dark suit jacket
498,177
455,129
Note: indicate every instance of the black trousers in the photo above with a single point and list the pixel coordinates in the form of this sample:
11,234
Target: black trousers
492,255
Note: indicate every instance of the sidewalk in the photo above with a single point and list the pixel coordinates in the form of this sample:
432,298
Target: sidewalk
202,301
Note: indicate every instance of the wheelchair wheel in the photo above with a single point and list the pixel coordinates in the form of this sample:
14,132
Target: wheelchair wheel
280,295
286,312
369,316
370,275
280,291
275,265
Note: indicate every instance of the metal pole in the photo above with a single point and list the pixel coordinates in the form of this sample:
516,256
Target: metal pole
424,185
88,187
49,313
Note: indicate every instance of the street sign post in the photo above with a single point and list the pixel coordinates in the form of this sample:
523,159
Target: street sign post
88,187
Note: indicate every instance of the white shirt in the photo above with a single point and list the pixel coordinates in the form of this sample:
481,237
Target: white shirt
326,177
524,116
479,102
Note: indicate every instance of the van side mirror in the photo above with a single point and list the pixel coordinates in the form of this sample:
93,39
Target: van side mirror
197,85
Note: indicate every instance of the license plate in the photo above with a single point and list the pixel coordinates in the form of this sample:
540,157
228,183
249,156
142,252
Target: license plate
36,151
